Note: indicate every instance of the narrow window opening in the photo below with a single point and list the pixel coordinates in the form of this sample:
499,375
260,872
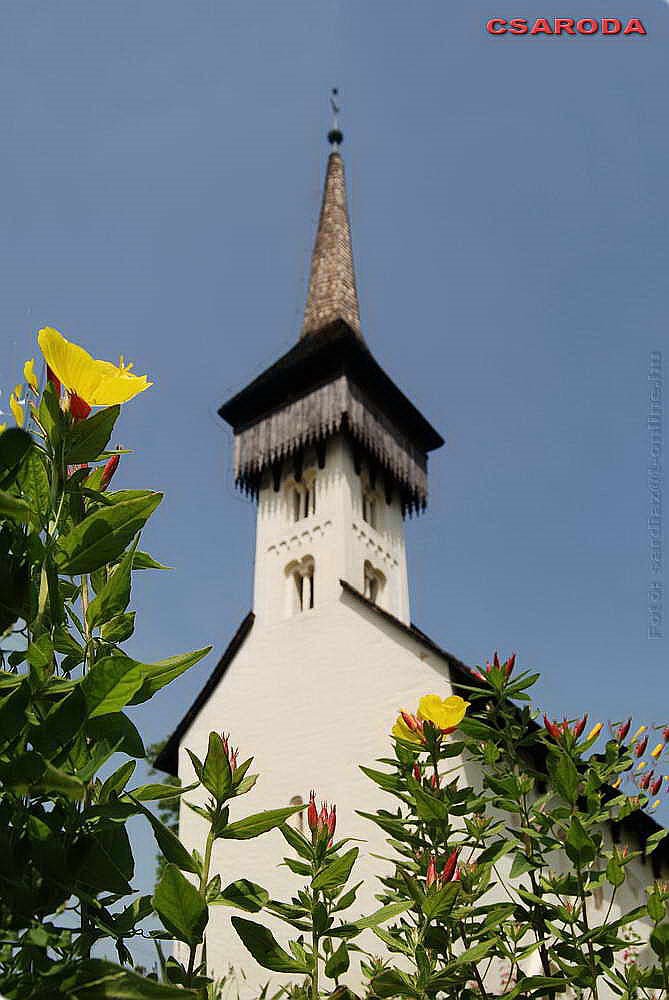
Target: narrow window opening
374,581
300,575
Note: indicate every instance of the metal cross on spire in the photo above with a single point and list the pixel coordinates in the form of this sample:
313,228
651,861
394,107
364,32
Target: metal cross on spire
335,135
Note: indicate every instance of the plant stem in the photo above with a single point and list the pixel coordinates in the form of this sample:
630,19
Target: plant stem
85,601
315,944
204,879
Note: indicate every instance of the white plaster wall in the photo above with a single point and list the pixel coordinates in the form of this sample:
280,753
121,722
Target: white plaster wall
312,697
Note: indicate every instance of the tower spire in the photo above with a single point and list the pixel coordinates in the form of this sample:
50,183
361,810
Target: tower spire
332,293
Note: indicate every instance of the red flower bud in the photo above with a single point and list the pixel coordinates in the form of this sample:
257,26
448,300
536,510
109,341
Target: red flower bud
580,726
656,786
431,876
495,660
552,729
640,748
79,408
55,382
110,467
332,821
412,722
665,734
312,812
449,867
623,730
509,665
417,772
645,781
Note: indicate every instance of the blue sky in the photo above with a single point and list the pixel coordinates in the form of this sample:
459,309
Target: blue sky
162,166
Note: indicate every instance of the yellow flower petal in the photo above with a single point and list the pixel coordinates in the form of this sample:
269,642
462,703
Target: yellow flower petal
444,713
402,732
595,731
29,374
3,428
657,750
99,383
17,410
18,390
640,730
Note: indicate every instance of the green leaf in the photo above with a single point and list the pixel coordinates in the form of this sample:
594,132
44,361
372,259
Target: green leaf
142,560
103,535
428,806
258,823
656,908
85,439
49,415
118,731
337,872
180,906
29,773
579,845
391,983
13,707
13,508
299,843
34,484
107,863
655,840
564,775
114,596
659,941
265,948
98,979
110,684
615,873
117,781
15,445
530,983
216,773
168,842
521,865
338,962
119,628
244,895
438,903
157,675
152,793
381,915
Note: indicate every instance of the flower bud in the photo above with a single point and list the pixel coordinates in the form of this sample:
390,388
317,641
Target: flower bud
431,876
595,731
55,381
417,773
79,408
110,467
665,734
640,748
552,729
655,753
623,730
656,786
312,812
580,726
332,821
509,665
449,867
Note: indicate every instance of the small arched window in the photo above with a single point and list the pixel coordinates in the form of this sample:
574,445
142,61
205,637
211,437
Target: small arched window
302,496
300,577
374,582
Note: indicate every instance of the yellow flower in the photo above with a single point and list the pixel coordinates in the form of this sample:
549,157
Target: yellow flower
29,374
657,751
640,730
655,804
444,713
3,428
17,409
641,765
595,731
99,383
402,732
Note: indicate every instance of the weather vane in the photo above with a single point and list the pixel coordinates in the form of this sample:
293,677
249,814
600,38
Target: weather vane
335,135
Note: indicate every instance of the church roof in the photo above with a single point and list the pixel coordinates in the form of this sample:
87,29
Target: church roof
332,291
640,823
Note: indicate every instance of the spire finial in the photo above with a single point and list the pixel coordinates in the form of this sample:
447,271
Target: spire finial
335,135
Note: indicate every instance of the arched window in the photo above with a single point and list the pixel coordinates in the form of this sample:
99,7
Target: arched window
302,496
300,577
369,508
371,502
374,582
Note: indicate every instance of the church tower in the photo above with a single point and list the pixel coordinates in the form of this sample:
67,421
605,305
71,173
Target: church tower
334,452
335,455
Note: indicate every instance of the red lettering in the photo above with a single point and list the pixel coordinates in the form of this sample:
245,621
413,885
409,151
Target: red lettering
591,29
611,26
496,26
541,27
519,26
565,24
634,27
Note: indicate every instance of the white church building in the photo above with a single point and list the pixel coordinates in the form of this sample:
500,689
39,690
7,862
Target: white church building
335,456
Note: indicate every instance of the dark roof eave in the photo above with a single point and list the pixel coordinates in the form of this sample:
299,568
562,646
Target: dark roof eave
315,360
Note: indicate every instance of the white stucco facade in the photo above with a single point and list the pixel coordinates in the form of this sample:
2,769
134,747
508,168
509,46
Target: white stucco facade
313,691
